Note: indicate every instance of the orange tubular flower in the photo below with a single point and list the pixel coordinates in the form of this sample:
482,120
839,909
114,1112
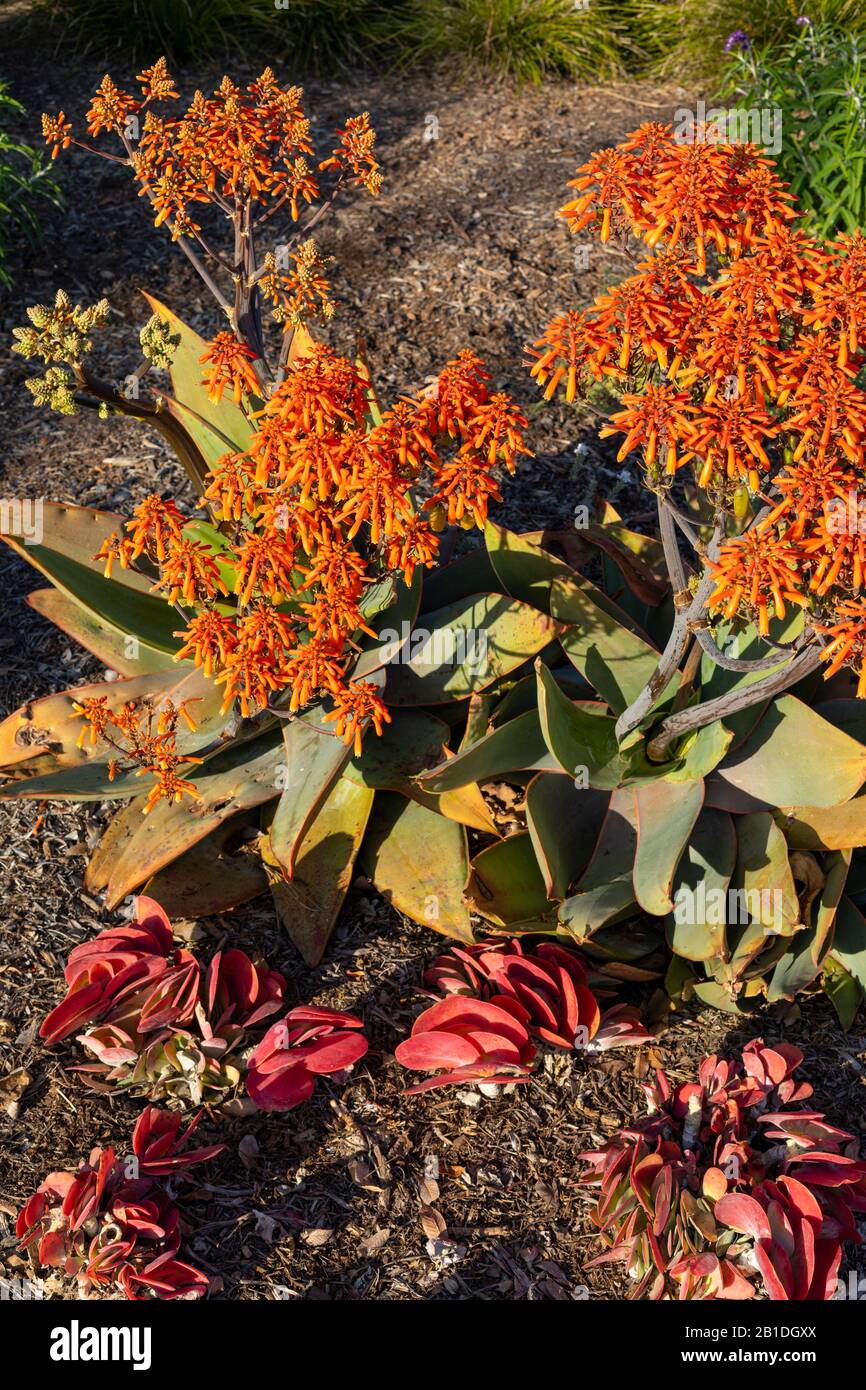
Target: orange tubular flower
658,422
232,487
457,392
169,786
110,108
321,392
417,544
847,645
607,193
729,434
190,572
228,365
567,350
156,526
115,547
356,705
839,296
96,715
57,132
755,572
497,427
810,489
157,84
209,637
263,560
835,547
355,153
315,666
465,486
249,676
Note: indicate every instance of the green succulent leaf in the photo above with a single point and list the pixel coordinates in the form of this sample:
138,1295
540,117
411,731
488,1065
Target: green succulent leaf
464,647
843,990
564,823
804,960
849,940
132,612
309,903
701,752
763,875
600,641
515,746
314,760
605,892
825,827
78,533
472,573
666,816
115,837
506,885
219,873
582,739
419,862
696,929
241,777
216,428
794,757
524,569
118,650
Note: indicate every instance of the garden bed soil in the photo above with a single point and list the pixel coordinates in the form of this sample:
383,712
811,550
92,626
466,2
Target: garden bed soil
360,1194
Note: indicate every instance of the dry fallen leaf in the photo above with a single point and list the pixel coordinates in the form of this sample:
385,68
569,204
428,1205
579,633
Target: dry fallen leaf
12,1088
433,1223
317,1235
248,1150
428,1191
373,1243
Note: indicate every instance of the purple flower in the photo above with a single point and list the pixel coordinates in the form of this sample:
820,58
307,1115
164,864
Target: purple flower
803,19
738,39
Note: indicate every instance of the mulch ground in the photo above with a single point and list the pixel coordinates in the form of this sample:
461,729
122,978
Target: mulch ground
361,1194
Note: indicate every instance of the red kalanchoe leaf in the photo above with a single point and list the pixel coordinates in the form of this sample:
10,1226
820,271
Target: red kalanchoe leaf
468,1040
156,1140
307,1043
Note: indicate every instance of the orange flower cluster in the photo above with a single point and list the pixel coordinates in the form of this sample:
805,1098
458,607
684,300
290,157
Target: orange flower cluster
318,508
737,345
246,151
145,738
321,504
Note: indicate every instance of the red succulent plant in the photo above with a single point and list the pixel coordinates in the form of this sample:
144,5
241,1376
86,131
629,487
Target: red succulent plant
111,1224
161,1024
468,1040
721,1188
307,1043
549,982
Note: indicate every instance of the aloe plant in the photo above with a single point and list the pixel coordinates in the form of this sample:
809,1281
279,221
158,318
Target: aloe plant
724,866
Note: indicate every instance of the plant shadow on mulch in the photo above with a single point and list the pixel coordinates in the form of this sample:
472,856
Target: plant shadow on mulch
362,1193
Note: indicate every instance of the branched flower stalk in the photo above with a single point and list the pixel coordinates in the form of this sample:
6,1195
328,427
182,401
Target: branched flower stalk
308,486
737,346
